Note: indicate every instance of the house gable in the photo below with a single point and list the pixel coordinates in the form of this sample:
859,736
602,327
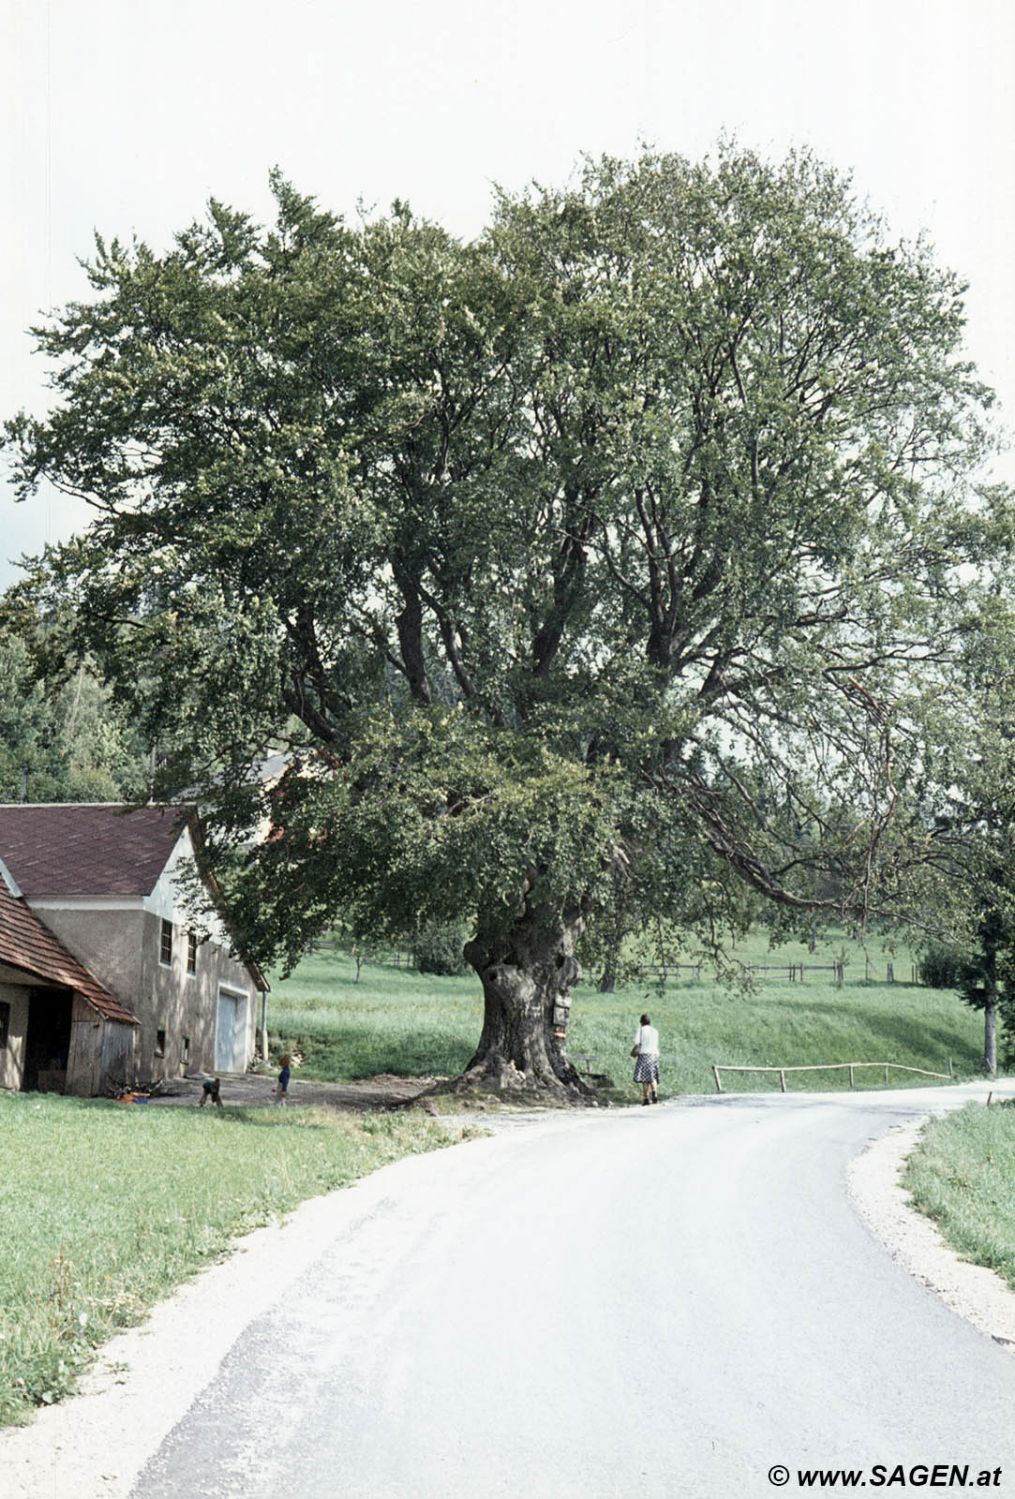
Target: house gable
134,927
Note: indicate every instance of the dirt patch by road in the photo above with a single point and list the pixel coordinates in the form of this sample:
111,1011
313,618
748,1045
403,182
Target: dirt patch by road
254,1090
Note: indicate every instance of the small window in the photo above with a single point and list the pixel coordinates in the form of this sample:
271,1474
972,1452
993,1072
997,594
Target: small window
160,1043
166,942
5,1024
185,1058
191,952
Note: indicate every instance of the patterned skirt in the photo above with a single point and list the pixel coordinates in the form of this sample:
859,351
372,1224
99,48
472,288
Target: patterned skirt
646,1069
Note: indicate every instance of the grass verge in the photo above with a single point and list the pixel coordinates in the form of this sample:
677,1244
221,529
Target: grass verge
106,1208
962,1175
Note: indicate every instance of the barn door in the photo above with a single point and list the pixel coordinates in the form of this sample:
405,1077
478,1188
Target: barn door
47,1046
230,1033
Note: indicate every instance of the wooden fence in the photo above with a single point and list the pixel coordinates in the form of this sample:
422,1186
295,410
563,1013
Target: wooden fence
850,1067
390,958
795,972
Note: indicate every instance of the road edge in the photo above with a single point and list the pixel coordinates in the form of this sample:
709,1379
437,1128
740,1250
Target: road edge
97,1441
974,1292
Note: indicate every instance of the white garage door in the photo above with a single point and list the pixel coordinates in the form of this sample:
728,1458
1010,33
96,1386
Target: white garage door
231,1033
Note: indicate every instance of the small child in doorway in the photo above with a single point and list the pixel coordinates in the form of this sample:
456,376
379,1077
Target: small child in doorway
282,1086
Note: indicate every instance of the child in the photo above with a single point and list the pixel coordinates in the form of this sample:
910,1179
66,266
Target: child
282,1086
211,1087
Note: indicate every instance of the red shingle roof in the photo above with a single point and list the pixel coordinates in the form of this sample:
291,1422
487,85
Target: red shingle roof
87,849
28,944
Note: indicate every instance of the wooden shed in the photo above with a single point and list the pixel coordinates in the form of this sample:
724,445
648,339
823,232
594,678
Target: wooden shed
60,1029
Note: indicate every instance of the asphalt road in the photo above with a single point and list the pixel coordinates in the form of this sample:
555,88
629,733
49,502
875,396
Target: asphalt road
667,1301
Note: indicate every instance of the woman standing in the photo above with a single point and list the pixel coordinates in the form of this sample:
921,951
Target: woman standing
646,1052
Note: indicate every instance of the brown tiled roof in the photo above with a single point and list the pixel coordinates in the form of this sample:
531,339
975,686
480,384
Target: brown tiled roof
87,849
28,944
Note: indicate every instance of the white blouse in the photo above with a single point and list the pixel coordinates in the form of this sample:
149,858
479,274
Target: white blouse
646,1038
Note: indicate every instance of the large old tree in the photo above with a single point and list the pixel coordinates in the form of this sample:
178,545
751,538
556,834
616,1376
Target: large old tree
586,571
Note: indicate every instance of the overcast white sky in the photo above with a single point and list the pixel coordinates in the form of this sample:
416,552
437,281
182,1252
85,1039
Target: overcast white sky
125,115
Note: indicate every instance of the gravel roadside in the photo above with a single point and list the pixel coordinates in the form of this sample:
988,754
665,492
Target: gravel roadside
874,1179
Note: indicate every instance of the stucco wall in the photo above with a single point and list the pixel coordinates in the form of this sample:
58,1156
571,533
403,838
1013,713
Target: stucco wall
122,947
107,941
12,1057
186,1005
119,941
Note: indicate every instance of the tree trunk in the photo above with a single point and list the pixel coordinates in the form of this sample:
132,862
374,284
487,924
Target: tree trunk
990,1038
527,977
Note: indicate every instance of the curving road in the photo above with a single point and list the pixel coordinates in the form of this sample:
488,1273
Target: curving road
665,1301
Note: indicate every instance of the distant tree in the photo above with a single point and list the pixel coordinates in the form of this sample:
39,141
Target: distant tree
598,561
977,780
61,740
437,947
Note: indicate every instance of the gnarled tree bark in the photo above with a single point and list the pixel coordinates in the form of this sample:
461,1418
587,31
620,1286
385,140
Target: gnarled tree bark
527,976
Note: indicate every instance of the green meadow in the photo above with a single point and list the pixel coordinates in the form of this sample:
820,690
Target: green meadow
394,1020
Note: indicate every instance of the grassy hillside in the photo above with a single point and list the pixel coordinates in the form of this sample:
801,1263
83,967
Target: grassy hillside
398,1021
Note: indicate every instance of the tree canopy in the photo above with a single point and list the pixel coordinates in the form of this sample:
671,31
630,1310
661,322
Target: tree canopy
592,567
61,739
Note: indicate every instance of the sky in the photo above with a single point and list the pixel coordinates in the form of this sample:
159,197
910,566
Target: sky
124,116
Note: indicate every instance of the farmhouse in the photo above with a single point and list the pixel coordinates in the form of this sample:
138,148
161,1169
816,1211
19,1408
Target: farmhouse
103,978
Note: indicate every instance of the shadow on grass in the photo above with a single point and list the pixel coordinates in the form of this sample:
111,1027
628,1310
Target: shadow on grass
352,1055
66,1101
299,1116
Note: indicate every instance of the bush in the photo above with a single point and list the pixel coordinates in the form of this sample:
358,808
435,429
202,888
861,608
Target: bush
942,967
437,948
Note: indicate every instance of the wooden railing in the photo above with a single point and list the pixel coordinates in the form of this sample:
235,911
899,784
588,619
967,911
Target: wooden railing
792,971
849,1067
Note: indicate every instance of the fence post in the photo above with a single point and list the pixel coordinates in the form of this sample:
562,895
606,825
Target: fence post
886,1074
715,1074
890,973
851,1083
951,1069
782,1079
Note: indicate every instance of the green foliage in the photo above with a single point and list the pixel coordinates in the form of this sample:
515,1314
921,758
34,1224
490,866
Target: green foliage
962,1174
599,566
64,738
941,967
437,948
971,769
107,1209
